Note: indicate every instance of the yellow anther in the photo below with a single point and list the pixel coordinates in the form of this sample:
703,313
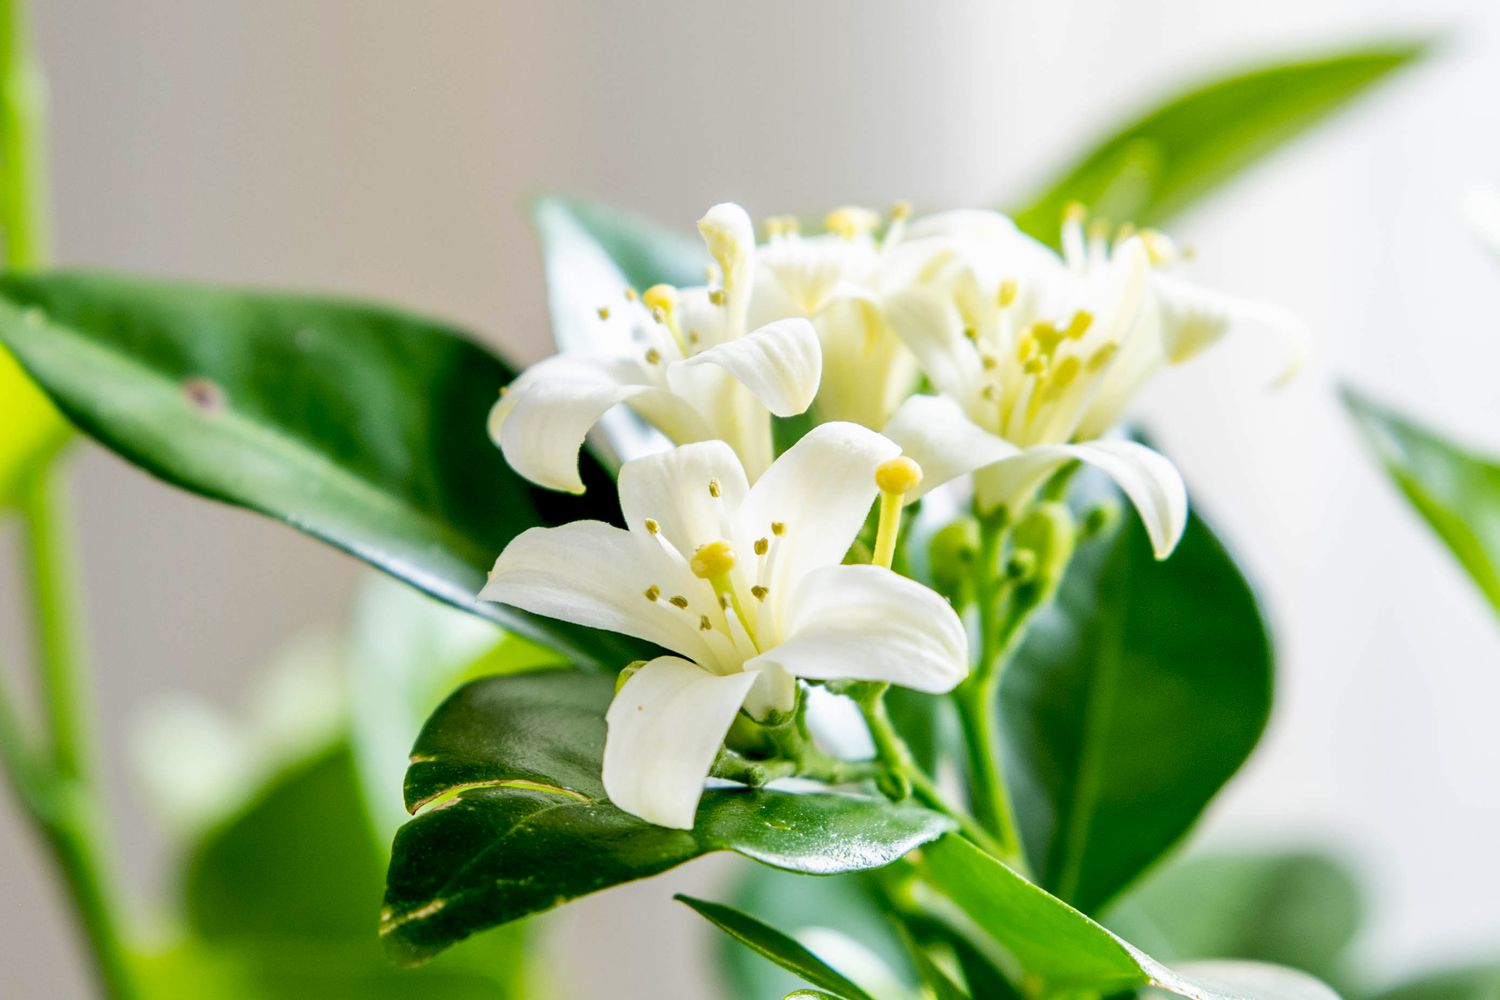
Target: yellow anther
693,337
651,526
774,227
679,601
1025,348
990,393
1102,356
1159,247
1079,324
851,221
653,357
504,389
778,527
1034,366
1075,213
762,546
631,294
604,312
716,296
758,592
971,333
704,624
988,361
901,210
713,559
653,592
714,489
1008,291
659,314
663,297
898,475
1047,336
1065,372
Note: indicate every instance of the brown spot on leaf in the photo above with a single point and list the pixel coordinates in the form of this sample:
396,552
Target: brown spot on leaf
204,393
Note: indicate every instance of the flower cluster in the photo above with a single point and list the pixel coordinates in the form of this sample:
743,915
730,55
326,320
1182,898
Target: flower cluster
737,560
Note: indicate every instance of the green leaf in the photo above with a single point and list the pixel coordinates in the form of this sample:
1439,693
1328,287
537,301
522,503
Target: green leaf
1454,489
358,425
1479,982
524,824
1300,910
1132,701
1162,162
776,946
1059,950
848,905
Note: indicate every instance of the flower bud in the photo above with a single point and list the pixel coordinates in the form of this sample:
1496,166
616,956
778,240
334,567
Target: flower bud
952,552
1049,534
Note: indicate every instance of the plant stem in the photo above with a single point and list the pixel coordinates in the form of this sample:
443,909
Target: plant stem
59,791
892,751
23,162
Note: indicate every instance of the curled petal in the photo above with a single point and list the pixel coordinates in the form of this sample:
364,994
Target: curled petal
665,728
541,422
780,363
1147,478
935,433
868,623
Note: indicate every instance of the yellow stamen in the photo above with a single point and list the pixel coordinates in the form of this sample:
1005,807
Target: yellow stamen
679,601
762,546
663,297
704,624
1079,324
604,312
759,592
631,294
851,221
714,489
1047,336
651,526
653,357
895,478
778,527
1008,291
716,296
1102,356
901,210
653,592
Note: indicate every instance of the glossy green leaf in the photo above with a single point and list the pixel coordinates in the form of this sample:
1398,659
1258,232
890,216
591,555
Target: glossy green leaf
1133,699
523,824
772,944
33,429
1479,982
1160,163
1059,950
1299,910
1454,489
358,425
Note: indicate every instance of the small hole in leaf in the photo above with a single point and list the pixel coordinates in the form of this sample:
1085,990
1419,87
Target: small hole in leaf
204,393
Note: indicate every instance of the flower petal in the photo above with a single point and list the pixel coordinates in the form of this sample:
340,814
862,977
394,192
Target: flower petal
931,326
665,728
820,492
676,489
541,422
780,363
595,574
935,433
867,623
1148,478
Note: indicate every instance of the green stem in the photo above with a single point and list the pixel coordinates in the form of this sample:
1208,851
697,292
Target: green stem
891,750
23,161
58,791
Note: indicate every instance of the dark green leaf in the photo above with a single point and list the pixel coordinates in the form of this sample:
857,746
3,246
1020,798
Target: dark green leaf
776,946
358,425
1162,162
1299,910
1479,982
1061,950
1132,701
1456,490
849,904
530,827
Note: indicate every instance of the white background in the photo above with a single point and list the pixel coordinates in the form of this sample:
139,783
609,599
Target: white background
384,149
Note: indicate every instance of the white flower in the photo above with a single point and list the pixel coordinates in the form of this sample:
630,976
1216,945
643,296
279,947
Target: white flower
1483,210
685,363
839,280
747,585
1037,357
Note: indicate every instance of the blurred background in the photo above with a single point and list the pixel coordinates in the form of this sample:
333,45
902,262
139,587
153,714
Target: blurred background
386,150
